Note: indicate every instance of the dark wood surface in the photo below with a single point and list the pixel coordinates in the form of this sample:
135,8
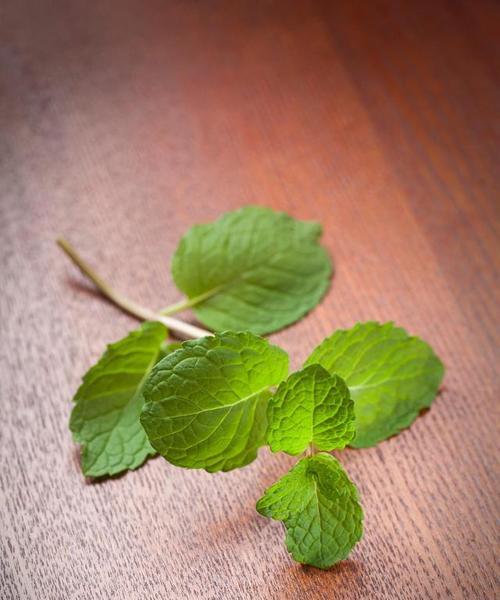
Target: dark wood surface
124,122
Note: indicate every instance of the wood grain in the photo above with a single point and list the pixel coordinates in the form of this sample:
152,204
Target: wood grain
123,123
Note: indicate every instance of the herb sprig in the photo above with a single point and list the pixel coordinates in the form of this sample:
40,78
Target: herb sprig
211,402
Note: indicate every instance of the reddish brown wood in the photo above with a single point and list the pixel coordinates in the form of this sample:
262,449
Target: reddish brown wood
123,123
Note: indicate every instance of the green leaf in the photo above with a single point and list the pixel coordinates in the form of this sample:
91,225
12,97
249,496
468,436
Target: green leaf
105,418
206,403
253,269
310,407
320,508
391,376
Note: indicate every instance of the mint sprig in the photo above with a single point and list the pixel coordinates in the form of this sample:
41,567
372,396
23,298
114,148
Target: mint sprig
212,402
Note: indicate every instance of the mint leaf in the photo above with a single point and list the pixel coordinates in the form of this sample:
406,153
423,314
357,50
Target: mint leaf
253,269
311,406
206,403
391,376
105,418
319,507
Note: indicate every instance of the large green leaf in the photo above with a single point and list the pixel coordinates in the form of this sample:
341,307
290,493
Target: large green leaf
391,376
320,509
253,269
105,417
206,403
310,407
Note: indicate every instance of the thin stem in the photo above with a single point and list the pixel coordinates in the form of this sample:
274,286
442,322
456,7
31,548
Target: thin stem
175,308
180,328
189,302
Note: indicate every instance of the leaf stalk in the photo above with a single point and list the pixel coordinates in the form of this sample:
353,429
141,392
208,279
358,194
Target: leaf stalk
179,328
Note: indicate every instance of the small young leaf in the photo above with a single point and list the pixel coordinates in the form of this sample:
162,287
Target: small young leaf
319,507
253,269
311,406
206,403
105,418
391,376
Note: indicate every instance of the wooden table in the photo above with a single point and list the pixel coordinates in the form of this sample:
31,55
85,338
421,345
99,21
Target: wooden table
123,123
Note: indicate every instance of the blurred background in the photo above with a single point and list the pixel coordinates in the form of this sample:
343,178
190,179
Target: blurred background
123,123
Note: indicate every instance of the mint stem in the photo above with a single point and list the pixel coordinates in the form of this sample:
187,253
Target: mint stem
179,328
189,302
175,308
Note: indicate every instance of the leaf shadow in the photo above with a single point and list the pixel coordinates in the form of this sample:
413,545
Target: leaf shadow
76,460
85,288
271,535
348,567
